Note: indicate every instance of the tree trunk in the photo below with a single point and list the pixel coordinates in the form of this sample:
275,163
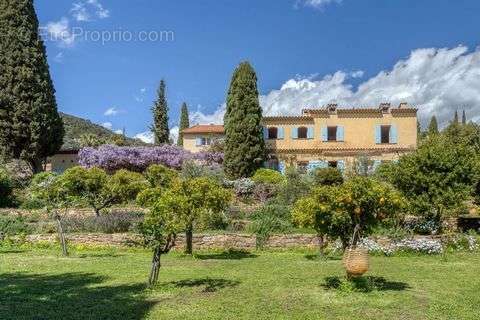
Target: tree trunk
355,236
97,212
36,166
189,240
321,244
61,235
155,267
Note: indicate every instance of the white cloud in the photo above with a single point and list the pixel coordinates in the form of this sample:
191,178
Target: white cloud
198,117
357,74
85,10
436,81
59,57
317,4
59,31
113,111
141,96
174,134
146,136
107,125
118,131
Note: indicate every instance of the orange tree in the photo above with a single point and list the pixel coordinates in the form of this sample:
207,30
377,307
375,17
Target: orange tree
349,211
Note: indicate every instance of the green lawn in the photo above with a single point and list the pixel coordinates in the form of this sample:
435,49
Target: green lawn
110,284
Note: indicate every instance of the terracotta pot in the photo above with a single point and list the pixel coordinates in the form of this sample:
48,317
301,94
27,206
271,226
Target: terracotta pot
356,261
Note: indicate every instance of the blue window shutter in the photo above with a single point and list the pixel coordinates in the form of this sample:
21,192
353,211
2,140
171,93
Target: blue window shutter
324,134
295,133
341,165
199,142
310,133
340,133
393,134
281,133
378,134
281,167
265,133
376,164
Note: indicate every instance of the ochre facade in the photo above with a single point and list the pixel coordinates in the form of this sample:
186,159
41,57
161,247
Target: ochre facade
192,141
333,136
362,131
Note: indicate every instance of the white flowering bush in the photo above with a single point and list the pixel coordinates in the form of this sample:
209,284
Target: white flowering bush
421,245
243,187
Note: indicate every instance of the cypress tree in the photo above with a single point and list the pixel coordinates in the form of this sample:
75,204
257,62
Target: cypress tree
464,117
244,144
184,123
160,129
30,127
433,126
455,117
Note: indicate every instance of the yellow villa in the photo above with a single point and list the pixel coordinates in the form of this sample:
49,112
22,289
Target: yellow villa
329,137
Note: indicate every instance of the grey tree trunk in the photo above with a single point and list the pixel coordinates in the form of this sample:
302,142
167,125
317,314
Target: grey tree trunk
189,240
61,235
321,244
152,280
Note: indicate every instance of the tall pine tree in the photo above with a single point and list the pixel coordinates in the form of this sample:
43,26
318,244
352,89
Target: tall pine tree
161,133
464,117
244,144
184,123
433,126
30,127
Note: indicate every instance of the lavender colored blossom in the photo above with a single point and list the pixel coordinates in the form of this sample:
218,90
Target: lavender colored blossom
112,158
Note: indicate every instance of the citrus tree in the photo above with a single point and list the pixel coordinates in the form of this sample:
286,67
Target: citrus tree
98,190
205,198
161,226
177,209
349,211
49,189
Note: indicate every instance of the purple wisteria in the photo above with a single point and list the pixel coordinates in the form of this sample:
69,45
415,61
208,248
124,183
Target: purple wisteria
112,158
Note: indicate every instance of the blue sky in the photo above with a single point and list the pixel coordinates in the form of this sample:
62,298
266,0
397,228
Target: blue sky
306,53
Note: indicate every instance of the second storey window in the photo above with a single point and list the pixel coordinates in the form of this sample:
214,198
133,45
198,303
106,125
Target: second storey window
272,133
332,133
386,134
302,132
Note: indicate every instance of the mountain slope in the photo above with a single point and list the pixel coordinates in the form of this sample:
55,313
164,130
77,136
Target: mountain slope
75,127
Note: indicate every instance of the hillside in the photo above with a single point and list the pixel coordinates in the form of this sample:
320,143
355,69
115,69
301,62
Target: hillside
76,127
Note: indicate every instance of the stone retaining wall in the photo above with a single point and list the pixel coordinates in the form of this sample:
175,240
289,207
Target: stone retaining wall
219,241
205,241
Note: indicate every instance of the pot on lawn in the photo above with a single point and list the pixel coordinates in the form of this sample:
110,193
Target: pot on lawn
356,261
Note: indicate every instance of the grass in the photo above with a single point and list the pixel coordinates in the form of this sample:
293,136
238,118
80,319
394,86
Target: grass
110,284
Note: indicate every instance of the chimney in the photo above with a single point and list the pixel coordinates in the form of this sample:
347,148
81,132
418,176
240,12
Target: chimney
384,107
332,107
402,105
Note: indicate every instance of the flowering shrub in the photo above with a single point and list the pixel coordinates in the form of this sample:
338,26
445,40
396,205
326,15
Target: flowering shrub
210,158
243,187
268,176
421,245
112,158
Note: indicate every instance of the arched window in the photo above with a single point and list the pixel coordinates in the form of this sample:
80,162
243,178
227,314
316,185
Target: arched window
272,133
302,132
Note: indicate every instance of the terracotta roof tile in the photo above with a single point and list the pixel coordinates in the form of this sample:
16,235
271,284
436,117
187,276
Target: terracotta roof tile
209,128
